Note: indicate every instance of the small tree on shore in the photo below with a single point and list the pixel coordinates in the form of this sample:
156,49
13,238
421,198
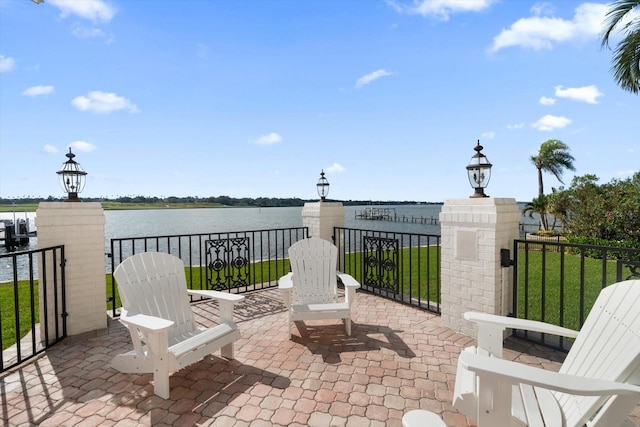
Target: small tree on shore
538,206
608,212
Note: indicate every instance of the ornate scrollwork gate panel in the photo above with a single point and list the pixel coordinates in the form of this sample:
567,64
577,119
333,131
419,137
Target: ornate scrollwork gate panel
227,263
381,270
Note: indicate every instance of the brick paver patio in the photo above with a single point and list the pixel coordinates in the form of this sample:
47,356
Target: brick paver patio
398,358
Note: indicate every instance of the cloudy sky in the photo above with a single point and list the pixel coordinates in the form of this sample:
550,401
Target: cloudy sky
255,98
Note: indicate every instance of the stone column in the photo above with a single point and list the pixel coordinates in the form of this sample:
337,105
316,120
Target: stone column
321,217
79,226
473,232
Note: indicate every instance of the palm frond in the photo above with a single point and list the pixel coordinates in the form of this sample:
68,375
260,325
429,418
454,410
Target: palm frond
626,62
617,11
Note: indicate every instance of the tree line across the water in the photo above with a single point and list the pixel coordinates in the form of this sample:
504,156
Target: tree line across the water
140,202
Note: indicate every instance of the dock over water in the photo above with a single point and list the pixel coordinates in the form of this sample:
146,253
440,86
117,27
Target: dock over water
389,214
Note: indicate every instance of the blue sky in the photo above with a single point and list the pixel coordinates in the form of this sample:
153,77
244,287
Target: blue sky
255,98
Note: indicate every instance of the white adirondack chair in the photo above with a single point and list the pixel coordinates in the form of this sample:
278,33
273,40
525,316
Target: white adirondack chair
157,312
597,384
310,291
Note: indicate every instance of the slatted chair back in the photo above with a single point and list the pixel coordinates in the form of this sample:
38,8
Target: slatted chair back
313,263
608,347
153,283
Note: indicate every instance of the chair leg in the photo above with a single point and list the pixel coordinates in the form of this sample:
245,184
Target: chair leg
290,325
226,351
347,326
161,380
158,345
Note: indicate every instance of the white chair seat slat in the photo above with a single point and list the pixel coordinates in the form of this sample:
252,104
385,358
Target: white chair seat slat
199,338
530,405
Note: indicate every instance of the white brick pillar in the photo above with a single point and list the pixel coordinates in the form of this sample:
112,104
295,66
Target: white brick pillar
473,232
79,226
321,217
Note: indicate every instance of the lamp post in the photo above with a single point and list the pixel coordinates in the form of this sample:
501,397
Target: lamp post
323,187
479,172
72,177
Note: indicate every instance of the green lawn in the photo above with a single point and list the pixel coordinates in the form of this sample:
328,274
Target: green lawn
561,293
26,296
417,271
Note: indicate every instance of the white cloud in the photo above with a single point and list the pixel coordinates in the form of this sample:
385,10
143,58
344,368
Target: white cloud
488,135
588,94
550,122
440,9
93,10
540,9
269,139
547,101
82,32
365,80
542,32
50,149
40,90
103,102
6,63
335,168
83,146
515,126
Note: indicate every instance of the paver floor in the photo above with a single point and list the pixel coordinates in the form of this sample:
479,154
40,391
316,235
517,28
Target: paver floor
397,359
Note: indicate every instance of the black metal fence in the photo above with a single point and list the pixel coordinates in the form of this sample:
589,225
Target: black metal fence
236,261
36,289
558,282
404,267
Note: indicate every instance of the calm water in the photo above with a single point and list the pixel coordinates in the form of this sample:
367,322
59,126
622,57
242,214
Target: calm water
163,222
193,221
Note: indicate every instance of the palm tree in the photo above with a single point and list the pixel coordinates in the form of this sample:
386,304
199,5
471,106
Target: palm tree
626,56
558,204
552,157
538,206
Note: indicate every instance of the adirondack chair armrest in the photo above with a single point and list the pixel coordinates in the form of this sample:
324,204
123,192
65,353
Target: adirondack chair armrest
514,323
217,295
348,281
491,329
149,324
518,373
350,286
225,300
286,282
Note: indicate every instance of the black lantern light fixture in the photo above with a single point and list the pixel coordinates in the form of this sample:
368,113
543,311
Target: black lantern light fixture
72,177
479,171
323,187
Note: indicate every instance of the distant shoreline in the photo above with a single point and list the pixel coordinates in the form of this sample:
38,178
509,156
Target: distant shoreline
32,207
111,205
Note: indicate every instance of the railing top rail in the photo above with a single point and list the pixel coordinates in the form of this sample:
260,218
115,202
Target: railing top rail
366,230
164,236
30,251
553,241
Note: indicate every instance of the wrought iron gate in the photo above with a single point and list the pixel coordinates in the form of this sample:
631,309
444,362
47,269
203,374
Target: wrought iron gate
228,263
381,271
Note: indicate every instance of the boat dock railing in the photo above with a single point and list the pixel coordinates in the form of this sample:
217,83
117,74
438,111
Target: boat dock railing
389,214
